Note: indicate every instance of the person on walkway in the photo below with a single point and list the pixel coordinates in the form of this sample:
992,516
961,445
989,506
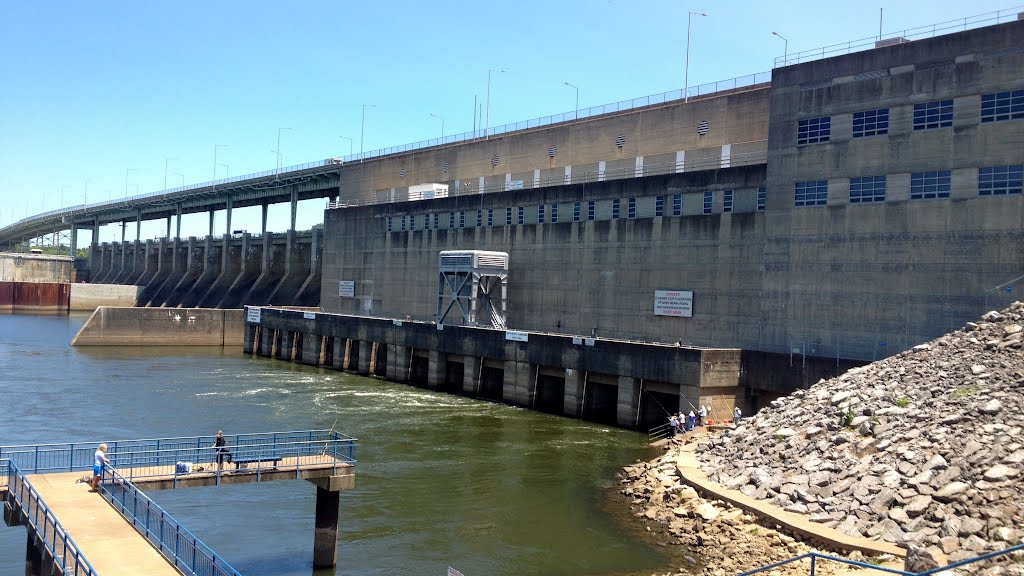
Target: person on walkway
222,451
100,458
701,415
736,414
691,420
682,421
673,426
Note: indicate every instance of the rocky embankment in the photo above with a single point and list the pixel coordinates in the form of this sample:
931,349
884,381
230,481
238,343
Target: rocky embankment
924,449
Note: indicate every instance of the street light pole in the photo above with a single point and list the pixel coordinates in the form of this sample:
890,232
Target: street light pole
215,147
785,48
577,88
182,178
362,130
279,149
487,122
85,195
349,144
227,170
441,118
167,159
686,80
126,171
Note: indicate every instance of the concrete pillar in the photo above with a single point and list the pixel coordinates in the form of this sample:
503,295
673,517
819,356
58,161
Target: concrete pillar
227,216
346,360
177,234
325,532
295,207
471,375
168,235
398,363
374,348
311,345
33,555
74,240
518,383
138,225
284,347
267,343
628,401
436,368
340,349
124,224
365,351
571,400
263,229
210,233
249,338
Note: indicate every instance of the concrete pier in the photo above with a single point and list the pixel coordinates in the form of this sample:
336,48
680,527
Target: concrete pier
325,531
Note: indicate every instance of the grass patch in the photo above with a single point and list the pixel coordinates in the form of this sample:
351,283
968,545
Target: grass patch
965,391
902,402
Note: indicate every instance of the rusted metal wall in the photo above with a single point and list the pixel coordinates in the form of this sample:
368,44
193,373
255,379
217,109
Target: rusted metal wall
44,296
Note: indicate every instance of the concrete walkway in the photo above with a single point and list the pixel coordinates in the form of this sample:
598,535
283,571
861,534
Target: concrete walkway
110,544
689,470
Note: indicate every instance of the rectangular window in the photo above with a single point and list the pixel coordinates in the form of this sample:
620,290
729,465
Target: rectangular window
403,223
871,123
814,130
575,211
677,204
522,215
451,220
591,210
389,224
762,198
490,216
479,218
727,201
659,206
540,214
1002,106
867,189
554,213
462,218
631,208
437,220
937,114
925,185
813,193
508,216
1000,180
615,209
708,201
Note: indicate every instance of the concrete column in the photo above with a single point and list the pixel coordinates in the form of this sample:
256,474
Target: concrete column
325,532
346,359
267,343
284,347
168,236
628,401
398,363
33,556
124,224
138,225
263,229
178,221
518,383
573,392
74,240
311,345
365,351
436,368
249,338
340,349
227,216
295,207
471,375
210,233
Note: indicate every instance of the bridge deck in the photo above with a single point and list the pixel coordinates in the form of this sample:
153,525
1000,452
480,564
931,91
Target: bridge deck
112,546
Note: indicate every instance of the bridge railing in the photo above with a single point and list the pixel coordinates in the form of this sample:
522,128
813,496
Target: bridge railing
162,452
42,521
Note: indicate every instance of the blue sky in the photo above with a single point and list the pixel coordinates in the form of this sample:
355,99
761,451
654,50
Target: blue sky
107,91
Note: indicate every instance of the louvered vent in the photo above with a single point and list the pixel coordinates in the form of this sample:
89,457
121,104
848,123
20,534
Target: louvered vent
494,160
552,150
620,140
444,167
703,127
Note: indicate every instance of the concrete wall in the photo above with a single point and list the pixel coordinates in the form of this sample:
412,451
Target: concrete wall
109,326
92,296
35,268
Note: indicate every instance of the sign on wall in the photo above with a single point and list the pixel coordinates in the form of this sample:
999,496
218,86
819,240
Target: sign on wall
309,315
346,288
673,303
252,315
517,336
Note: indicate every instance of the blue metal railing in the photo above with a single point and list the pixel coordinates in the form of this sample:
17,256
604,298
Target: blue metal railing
42,521
816,557
175,542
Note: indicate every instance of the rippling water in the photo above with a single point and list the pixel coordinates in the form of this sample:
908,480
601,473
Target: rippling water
441,481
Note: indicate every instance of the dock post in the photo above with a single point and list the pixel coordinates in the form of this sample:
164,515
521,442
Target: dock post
325,535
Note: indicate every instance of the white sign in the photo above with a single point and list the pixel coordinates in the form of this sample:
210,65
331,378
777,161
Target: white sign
577,340
517,336
515,185
673,303
252,315
346,288
396,322
588,341
309,315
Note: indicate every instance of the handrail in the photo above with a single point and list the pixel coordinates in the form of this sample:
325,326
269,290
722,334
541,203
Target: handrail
175,542
898,37
814,556
55,538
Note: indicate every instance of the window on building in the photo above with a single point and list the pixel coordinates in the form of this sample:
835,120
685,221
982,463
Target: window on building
490,216
522,215
554,213
762,198
575,211
437,220
479,218
925,185
1000,180
389,224
814,130
451,220
403,223
867,189
727,201
615,209
1002,106
871,123
540,214
631,208
812,193
677,204
937,114
708,201
508,216
659,206
591,210
462,218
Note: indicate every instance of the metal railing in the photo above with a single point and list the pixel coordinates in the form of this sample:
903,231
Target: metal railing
183,549
909,34
42,521
816,557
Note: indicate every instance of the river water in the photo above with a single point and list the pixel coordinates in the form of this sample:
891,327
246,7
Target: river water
441,480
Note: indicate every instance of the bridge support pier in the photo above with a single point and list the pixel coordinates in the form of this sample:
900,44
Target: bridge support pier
325,532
